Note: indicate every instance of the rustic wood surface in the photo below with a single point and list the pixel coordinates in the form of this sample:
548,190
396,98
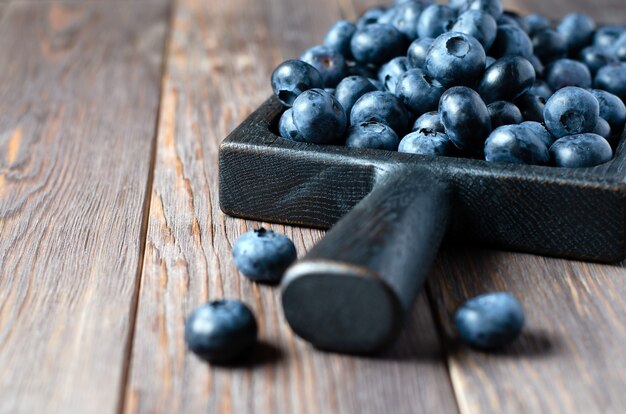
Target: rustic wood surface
110,233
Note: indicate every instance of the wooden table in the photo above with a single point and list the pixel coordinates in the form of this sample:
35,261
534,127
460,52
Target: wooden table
111,113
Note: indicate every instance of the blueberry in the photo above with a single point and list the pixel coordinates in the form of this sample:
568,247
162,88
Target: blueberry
391,71
511,17
577,29
541,88
377,43
429,120
537,65
531,106
595,57
490,321
361,69
567,72
221,331
418,91
381,107
418,50
319,117
330,63
370,16
612,110
581,150
287,128
603,129
619,49
339,36
504,113
536,23
479,24
493,7
455,59
465,118
571,111
372,134
435,20
612,78
507,79
549,45
350,89
426,142
293,77
606,36
540,132
511,41
404,17
515,144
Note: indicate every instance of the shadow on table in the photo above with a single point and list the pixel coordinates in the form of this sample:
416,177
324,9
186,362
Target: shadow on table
262,354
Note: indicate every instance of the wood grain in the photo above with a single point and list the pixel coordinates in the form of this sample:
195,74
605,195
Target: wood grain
219,60
79,91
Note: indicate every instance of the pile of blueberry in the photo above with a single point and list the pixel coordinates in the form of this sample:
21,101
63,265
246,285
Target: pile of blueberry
466,79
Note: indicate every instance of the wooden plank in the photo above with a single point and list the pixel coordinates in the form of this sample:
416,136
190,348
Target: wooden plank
218,72
79,94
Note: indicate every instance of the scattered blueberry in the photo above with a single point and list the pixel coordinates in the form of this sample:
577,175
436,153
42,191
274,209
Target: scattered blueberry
515,144
493,7
391,71
404,17
455,59
541,88
465,118
319,117
418,91
381,107
429,120
540,131
581,150
478,24
603,129
577,29
221,331
293,77
418,50
370,16
339,36
329,62
287,128
372,134
490,321
567,72
549,45
507,79
350,89
570,111
612,78
263,255
504,113
435,20
536,23
531,106
377,43
511,41
606,36
612,109
595,57
426,142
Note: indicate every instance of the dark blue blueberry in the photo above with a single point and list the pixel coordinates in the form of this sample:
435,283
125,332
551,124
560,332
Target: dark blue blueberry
390,72
581,150
286,128
606,36
595,57
490,321
549,45
263,255
465,118
540,132
370,16
612,110
511,17
531,106
577,29
418,50
541,88
570,111
426,142
362,69
429,120
418,91
455,59
511,41
435,20
567,72
377,43
619,49
612,78
537,65
603,129
536,23
507,79
372,134
221,331
330,63
404,17
381,107
319,117
350,89
293,77
504,113
493,7
339,36
479,24
516,144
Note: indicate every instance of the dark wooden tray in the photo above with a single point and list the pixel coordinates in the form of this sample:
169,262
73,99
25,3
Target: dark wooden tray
573,213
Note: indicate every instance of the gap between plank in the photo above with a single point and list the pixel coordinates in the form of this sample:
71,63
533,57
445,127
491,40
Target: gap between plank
128,351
